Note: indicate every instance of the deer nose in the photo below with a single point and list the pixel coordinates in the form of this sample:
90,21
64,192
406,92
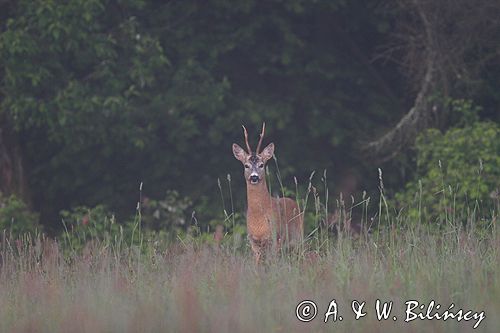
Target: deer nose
254,179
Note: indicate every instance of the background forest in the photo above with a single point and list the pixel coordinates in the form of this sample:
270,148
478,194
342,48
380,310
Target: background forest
98,97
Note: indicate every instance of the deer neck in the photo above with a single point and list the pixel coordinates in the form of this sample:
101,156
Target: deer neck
259,210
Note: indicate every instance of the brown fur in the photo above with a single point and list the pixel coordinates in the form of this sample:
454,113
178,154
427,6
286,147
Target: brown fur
268,217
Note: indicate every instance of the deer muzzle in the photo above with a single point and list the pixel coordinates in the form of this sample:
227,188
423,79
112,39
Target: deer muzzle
254,179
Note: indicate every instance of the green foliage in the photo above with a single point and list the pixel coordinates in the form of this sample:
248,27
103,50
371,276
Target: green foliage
458,173
109,94
463,112
163,220
15,217
166,214
80,78
83,224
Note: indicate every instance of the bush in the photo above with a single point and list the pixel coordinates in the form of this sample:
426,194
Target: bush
83,224
159,220
458,174
167,214
15,217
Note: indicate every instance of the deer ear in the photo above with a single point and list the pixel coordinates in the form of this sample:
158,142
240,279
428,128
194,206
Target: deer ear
267,152
239,153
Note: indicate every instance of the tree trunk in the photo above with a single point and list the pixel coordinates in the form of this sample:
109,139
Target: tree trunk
12,171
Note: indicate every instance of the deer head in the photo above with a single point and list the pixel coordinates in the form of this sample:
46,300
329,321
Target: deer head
254,162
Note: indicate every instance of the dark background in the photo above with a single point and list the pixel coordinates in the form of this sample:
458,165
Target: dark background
99,96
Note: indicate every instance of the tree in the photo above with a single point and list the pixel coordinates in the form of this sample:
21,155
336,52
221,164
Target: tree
444,48
76,75
102,95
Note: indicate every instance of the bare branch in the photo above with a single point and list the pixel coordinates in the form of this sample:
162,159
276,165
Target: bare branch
436,43
391,143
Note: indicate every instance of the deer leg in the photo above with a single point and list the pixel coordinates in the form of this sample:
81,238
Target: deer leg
257,258
257,250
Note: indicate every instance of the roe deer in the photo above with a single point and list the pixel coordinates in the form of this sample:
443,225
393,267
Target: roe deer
269,219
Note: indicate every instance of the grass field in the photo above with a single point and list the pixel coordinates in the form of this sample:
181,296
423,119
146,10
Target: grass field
195,286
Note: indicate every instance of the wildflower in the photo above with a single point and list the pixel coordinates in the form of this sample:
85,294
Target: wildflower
85,220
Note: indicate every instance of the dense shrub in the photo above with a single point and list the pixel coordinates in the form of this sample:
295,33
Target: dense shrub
458,174
169,213
15,217
83,224
154,220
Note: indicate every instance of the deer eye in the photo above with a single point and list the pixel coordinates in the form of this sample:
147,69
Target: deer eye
261,165
247,166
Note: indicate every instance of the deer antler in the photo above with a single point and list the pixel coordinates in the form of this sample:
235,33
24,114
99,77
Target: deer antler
261,137
246,140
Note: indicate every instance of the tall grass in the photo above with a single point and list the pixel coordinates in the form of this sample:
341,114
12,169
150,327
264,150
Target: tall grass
201,287
195,285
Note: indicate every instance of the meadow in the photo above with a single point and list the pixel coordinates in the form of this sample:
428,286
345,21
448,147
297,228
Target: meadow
196,284
98,98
